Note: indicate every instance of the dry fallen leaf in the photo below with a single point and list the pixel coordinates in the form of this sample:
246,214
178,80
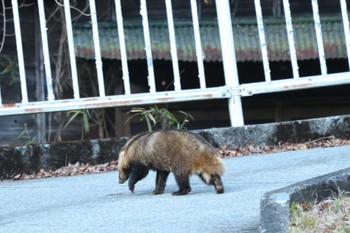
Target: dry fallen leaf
225,151
17,177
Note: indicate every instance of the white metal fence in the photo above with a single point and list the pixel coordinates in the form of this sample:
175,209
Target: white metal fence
232,90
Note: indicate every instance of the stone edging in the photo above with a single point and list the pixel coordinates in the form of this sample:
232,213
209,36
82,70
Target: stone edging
32,158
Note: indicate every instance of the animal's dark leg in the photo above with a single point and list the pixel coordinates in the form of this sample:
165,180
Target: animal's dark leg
216,181
183,181
161,181
213,180
138,172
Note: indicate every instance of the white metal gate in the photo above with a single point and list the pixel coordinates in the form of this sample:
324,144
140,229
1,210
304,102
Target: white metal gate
232,90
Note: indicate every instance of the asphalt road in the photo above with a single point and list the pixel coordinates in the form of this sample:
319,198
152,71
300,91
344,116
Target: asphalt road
97,203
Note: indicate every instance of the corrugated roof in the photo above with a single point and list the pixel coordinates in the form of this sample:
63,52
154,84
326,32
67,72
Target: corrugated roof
245,35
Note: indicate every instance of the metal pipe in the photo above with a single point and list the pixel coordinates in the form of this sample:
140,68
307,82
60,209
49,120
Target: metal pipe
114,101
148,47
98,59
47,64
18,36
263,45
173,48
229,61
197,38
73,64
319,38
290,35
123,56
345,17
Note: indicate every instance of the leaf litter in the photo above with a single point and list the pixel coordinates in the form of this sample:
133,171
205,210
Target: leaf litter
324,142
70,170
225,151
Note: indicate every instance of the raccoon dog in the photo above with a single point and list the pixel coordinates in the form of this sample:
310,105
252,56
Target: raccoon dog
181,152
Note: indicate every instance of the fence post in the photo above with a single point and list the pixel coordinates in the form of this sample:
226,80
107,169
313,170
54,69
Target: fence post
173,48
148,46
291,42
45,50
98,58
198,43
229,61
19,45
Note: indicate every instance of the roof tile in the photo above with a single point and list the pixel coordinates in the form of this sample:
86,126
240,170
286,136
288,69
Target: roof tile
245,36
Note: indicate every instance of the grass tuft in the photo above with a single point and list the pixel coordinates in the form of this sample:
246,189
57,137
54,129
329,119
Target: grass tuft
329,215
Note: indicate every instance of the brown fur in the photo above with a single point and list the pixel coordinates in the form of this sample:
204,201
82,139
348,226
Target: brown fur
180,152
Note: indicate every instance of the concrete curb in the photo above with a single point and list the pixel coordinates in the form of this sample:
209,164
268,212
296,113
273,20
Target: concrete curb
273,133
274,205
32,158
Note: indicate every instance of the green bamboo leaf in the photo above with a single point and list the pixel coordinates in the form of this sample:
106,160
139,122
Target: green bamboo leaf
186,114
155,115
151,117
86,116
171,117
149,126
76,113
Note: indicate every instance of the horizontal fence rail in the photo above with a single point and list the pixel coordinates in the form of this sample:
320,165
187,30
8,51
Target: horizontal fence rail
232,90
112,101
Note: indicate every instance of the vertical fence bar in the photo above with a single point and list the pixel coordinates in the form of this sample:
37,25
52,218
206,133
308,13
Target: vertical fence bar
98,59
148,47
319,38
229,60
19,46
42,21
197,38
123,56
173,48
345,17
262,38
73,64
290,35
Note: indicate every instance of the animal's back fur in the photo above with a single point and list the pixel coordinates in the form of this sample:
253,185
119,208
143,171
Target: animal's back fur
181,152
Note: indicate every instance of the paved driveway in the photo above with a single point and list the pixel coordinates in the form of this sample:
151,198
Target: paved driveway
97,203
